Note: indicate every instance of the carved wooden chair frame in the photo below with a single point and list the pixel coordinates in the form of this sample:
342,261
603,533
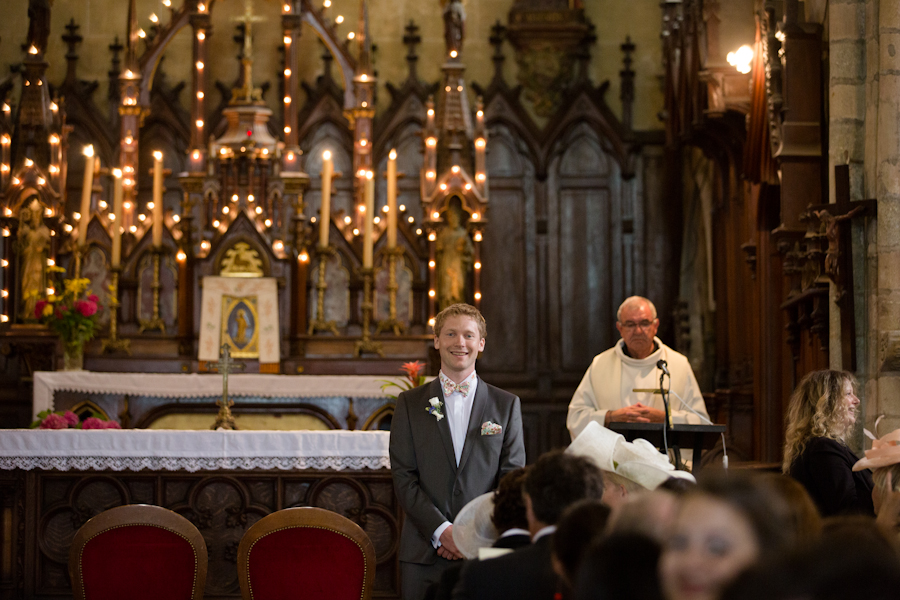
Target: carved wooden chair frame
306,516
139,514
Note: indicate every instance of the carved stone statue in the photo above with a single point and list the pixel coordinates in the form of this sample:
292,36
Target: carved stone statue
32,245
454,25
454,252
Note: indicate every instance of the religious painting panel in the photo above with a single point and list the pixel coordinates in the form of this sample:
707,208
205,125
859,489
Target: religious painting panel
404,292
95,267
240,315
336,304
168,290
584,265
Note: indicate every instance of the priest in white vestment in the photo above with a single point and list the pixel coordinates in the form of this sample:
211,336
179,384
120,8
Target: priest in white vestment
606,394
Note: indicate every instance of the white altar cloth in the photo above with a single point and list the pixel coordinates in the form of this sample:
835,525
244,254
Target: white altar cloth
194,385
171,450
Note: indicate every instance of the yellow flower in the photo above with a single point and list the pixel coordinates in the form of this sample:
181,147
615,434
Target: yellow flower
76,286
48,310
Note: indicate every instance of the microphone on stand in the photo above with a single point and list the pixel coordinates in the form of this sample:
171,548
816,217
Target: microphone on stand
663,366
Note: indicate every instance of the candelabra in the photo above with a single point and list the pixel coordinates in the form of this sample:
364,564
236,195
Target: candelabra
319,323
391,323
366,344
155,322
113,343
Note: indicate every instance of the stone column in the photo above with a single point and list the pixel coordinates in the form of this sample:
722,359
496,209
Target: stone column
846,124
883,389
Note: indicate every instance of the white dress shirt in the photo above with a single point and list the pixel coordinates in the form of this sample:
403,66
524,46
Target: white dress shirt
457,409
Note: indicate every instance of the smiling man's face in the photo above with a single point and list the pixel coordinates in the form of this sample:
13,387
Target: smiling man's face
459,342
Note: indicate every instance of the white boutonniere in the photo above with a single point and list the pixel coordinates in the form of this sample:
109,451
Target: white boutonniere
435,408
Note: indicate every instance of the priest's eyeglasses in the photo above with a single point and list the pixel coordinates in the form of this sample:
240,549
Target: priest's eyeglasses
631,325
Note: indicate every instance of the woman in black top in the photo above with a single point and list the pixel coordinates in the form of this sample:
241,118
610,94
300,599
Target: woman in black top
821,413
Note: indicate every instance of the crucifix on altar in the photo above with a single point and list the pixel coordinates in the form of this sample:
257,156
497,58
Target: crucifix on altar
225,420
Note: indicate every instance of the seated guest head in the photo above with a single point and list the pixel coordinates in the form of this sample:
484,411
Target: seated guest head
721,529
509,506
677,485
619,566
803,513
556,481
824,404
651,515
617,489
577,528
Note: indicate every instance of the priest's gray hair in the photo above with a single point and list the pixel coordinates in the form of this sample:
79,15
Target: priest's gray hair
634,300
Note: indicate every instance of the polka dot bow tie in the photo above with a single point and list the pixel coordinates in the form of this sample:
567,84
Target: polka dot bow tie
450,387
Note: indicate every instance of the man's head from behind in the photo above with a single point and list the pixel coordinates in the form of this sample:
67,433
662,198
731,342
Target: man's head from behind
637,324
556,481
509,506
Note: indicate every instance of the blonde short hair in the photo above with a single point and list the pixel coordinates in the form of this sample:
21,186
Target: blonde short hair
457,310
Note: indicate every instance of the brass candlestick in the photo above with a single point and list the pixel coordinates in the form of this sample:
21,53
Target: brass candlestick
78,251
319,323
391,323
113,343
155,322
366,344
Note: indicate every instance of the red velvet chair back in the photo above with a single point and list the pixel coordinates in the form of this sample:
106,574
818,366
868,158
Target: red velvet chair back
139,552
308,553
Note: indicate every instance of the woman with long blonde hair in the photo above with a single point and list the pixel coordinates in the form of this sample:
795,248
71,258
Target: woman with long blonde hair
821,413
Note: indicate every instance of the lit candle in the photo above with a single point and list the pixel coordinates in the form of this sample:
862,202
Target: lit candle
368,238
325,212
157,198
392,199
117,219
86,194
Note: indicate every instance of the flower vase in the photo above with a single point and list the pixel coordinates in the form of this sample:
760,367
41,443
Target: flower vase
73,357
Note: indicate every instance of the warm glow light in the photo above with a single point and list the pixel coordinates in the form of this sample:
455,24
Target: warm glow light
225,210
477,236
430,112
201,7
127,206
478,295
287,99
376,220
741,58
76,216
431,293
480,143
28,162
303,257
54,139
200,95
476,216
286,8
369,174
290,156
447,89
431,142
477,265
339,19
129,140
287,72
167,3
199,124
142,217
363,142
351,35
479,114
176,218
201,36
33,50
287,39
431,264
67,228
443,187
54,169
16,181
411,219
480,177
326,155
215,223
278,245
268,222
468,186
259,210
430,174
361,208
205,244
5,232
133,229
112,216
250,197
4,139
41,181
181,256
312,219
4,318
4,293
419,231
347,220
402,208
455,168
459,88
265,151
363,77
432,237
327,4
431,321
4,168
102,204
154,18
453,54
385,208
196,153
287,128
142,34
355,231
4,263
435,215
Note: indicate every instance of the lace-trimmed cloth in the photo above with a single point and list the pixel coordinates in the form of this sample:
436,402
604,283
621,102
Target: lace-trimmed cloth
170,450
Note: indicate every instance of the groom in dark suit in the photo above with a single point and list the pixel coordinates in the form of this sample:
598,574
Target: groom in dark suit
451,441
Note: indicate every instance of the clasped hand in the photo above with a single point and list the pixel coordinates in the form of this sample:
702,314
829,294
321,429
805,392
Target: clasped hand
637,413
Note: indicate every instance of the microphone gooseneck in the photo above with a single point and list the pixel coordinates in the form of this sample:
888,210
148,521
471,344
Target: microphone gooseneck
663,366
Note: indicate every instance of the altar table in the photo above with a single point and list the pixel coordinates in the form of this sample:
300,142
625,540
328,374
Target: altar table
53,481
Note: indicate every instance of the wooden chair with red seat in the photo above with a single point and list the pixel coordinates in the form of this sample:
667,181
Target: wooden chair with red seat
139,552
308,553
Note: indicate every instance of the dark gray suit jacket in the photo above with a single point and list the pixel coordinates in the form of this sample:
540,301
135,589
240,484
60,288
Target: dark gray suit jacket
430,487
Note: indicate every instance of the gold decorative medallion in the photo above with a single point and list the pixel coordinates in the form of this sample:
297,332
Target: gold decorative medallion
241,261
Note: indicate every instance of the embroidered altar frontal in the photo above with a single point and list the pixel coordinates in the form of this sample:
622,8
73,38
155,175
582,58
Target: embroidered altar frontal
52,482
